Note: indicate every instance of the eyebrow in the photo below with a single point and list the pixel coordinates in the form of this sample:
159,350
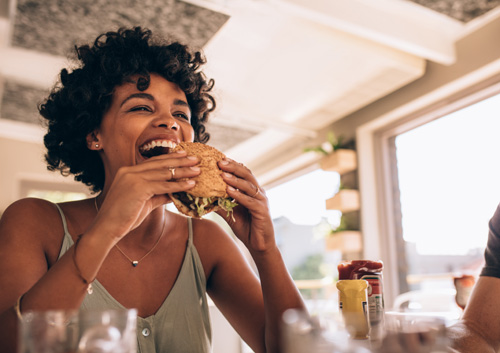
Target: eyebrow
151,98
181,102
138,95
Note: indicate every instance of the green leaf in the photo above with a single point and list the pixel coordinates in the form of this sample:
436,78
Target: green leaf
316,149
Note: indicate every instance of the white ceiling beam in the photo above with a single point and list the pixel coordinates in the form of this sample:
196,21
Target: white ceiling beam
30,67
402,25
18,130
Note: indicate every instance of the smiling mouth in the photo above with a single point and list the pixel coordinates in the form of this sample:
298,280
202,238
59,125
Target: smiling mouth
156,148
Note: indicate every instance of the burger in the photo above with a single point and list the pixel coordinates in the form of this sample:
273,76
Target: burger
209,193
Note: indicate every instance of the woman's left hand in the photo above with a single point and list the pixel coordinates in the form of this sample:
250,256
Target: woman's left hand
251,221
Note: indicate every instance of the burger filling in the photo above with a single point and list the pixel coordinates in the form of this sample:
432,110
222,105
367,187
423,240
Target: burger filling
203,205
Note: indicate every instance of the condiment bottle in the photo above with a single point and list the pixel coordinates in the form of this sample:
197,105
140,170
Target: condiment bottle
353,306
464,285
371,271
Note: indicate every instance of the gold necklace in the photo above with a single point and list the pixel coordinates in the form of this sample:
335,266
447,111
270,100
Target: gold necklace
136,262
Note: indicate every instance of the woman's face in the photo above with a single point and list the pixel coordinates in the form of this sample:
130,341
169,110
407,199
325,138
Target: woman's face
139,122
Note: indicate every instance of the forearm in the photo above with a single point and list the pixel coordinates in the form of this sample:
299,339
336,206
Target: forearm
60,288
63,286
280,294
465,339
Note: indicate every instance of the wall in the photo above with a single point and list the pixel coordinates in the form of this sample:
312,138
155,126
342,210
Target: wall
24,161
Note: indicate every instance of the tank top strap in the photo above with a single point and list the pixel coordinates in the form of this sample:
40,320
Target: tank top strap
63,218
190,231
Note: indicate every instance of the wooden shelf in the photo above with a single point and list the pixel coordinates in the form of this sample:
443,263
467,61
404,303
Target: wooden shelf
347,241
345,201
341,161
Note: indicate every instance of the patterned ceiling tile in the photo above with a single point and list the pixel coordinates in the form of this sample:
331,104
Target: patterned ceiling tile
20,102
462,10
224,137
54,26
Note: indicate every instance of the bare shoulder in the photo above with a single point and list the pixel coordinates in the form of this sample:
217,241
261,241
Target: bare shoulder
29,219
210,236
213,243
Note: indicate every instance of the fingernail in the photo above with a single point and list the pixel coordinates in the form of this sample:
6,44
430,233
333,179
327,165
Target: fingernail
194,158
224,162
230,188
181,152
196,169
190,182
227,175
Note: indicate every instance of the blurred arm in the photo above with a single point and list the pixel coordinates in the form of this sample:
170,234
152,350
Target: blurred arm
479,328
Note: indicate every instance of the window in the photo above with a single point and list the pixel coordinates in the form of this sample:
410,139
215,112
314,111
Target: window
301,224
445,185
52,191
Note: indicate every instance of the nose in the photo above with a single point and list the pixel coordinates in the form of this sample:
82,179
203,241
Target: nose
167,121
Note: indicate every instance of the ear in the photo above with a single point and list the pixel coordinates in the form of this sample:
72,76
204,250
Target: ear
93,141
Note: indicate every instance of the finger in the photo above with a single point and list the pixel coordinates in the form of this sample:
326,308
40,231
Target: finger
238,169
250,189
167,187
171,173
166,161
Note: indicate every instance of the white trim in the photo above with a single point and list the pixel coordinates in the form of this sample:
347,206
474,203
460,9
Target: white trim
17,130
18,65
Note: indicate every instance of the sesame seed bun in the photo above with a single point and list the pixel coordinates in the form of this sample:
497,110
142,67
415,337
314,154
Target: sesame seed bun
209,182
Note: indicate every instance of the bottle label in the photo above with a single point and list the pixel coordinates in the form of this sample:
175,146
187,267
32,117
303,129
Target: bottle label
375,298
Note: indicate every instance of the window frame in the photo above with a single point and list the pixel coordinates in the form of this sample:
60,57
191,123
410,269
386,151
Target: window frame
380,204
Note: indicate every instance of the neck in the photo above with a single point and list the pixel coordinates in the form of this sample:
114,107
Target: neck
148,231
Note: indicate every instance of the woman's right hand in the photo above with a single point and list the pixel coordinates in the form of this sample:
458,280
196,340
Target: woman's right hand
139,189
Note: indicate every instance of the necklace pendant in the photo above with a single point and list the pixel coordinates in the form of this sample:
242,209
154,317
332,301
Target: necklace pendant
135,263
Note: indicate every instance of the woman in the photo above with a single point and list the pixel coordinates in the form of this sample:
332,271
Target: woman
122,248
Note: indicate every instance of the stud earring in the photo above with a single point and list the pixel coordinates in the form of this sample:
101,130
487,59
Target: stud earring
96,145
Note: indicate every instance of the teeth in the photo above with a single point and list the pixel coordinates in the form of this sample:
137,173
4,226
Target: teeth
157,143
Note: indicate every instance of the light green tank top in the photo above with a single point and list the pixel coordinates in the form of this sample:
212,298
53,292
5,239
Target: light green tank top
182,323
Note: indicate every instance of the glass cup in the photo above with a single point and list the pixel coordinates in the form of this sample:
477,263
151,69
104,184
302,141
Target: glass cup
48,332
108,331
414,333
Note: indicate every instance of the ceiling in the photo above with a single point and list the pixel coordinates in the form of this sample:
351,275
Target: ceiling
285,70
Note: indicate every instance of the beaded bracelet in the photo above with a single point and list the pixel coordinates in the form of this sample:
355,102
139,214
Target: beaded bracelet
90,290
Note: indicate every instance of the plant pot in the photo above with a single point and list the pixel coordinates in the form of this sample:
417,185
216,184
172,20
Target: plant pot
347,241
346,200
341,161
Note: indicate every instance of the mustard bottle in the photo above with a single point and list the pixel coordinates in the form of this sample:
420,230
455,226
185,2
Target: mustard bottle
353,306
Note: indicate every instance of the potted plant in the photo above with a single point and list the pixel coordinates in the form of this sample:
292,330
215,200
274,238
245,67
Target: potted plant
345,200
343,239
336,158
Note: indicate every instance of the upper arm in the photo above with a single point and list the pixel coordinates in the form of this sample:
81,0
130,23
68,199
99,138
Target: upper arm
23,228
232,284
482,314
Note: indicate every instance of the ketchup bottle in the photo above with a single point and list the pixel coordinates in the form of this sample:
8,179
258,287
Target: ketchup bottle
370,271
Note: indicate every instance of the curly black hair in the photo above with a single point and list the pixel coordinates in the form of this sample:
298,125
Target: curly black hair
76,105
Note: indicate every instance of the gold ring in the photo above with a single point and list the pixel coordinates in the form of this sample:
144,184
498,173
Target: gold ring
256,193
172,170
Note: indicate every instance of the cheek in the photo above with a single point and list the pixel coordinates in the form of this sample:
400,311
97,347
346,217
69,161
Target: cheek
188,133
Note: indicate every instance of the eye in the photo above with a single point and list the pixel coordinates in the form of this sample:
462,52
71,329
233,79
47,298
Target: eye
141,108
182,115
